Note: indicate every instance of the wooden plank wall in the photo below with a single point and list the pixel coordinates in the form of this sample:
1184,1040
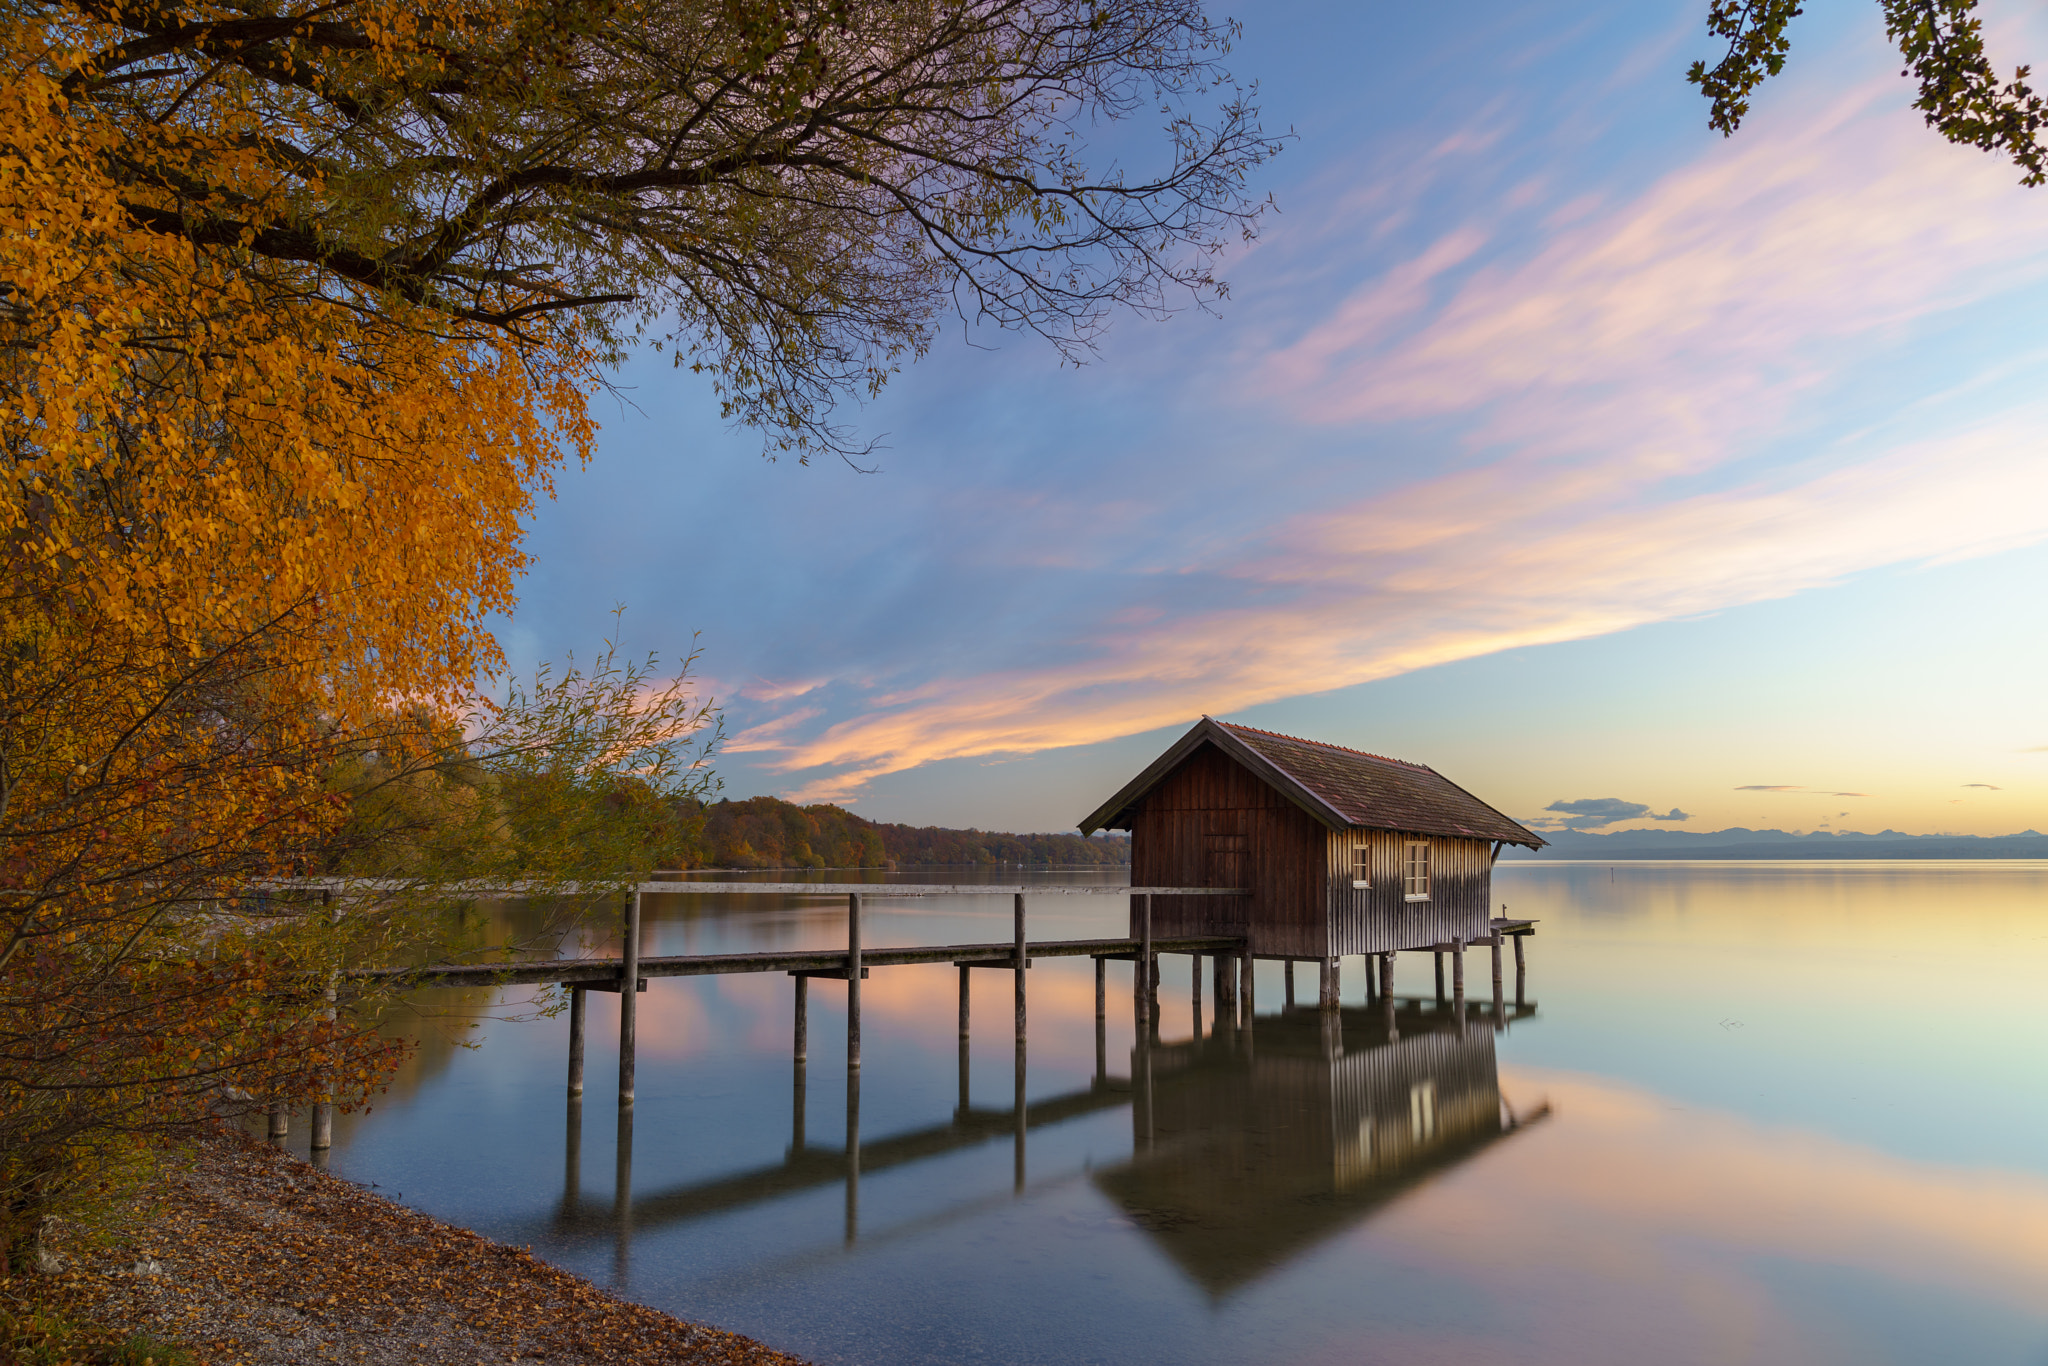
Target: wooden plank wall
1212,823
1380,919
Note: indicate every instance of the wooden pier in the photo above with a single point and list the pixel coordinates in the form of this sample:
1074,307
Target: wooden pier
1233,986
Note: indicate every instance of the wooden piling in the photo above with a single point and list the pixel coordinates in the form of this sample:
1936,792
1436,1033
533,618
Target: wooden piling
1458,971
280,1123
1519,971
965,973
1101,990
1143,975
1372,978
1248,989
1439,974
802,1048
1387,976
1020,970
852,982
1287,981
579,1011
1330,988
1195,991
1499,1003
629,1003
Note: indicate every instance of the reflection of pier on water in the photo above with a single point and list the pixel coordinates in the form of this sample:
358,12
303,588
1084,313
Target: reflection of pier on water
1249,1145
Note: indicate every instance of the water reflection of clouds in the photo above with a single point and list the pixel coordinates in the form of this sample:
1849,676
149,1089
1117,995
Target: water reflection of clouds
1634,1229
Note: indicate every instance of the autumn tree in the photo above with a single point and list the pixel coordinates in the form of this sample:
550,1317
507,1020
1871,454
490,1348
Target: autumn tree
1961,94
300,305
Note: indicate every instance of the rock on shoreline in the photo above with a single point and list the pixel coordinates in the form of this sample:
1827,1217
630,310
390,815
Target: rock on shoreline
250,1257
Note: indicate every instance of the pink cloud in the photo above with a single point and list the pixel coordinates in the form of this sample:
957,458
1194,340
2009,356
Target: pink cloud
1662,338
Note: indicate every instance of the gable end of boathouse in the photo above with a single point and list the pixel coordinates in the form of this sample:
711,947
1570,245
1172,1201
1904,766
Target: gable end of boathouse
1341,852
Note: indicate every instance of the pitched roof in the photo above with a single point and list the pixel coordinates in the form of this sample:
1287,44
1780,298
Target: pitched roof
1342,788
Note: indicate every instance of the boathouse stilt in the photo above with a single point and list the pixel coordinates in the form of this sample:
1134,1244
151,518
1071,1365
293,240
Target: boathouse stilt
1195,991
1141,976
1287,983
1387,976
1022,963
1248,993
280,1123
1101,989
1519,966
1372,978
579,1014
965,974
1331,986
1500,1015
852,985
629,1001
1439,975
802,1048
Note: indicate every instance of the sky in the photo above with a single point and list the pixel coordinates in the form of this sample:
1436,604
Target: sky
1602,463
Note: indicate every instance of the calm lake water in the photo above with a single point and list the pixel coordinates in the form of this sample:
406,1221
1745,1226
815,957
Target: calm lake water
1752,1114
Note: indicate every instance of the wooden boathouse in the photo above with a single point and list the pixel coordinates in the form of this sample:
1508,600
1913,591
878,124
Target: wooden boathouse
1340,851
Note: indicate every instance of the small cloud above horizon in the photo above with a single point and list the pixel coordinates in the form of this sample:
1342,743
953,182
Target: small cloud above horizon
1770,787
1992,786
1591,813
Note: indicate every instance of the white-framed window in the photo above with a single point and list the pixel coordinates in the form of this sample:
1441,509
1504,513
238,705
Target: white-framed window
1361,868
1415,871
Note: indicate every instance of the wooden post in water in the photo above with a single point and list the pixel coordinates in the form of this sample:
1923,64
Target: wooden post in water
1101,990
1387,1004
1458,971
852,994
1020,972
629,1004
1518,970
965,973
966,1072
1143,976
1372,978
1439,974
1287,980
280,1123
802,1046
579,1011
1327,996
1500,1015
1195,991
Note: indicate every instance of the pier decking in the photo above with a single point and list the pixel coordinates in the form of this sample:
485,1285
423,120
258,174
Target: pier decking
1233,963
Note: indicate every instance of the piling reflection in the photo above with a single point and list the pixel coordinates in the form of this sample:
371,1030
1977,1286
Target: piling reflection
1241,1157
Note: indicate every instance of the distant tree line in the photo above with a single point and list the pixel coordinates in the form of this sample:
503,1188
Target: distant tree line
767,832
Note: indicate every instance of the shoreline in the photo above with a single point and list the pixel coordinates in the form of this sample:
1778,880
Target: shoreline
244,1255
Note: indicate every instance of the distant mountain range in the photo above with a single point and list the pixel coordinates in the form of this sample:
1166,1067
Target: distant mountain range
1742,843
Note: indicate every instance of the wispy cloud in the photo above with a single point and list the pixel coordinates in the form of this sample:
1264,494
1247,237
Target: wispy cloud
1768,787
1607,380
1992,786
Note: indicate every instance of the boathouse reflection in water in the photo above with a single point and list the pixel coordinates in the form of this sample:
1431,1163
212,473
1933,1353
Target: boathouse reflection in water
1249,1145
